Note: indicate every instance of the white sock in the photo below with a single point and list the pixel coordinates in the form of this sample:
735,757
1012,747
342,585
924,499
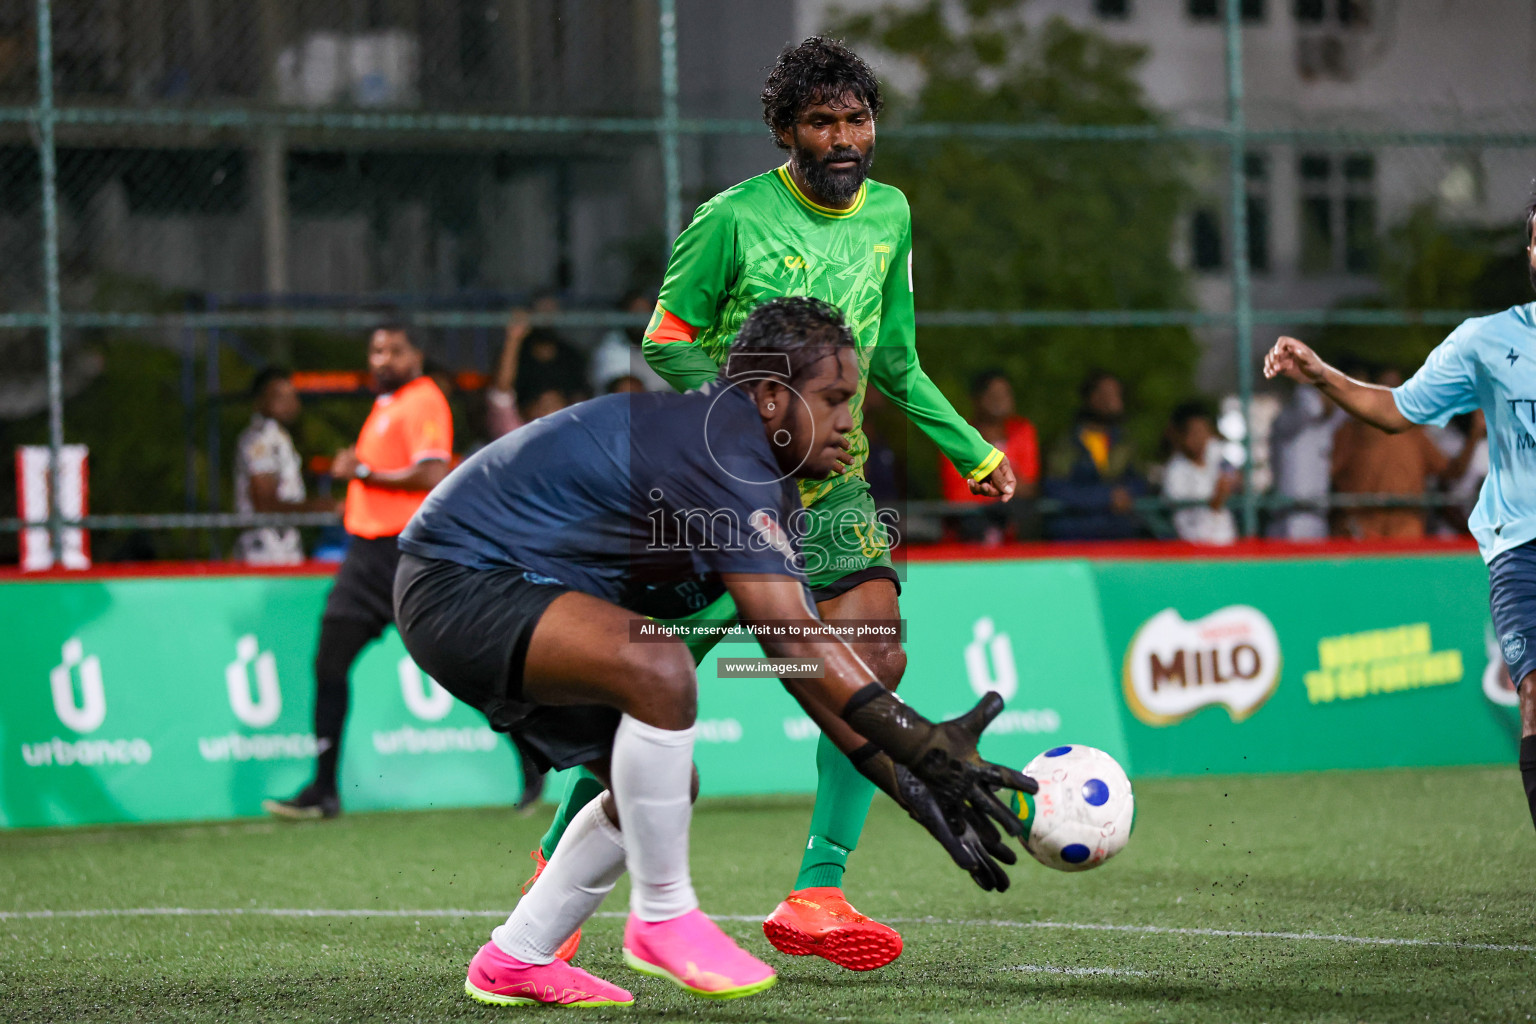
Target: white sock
652,774
581,871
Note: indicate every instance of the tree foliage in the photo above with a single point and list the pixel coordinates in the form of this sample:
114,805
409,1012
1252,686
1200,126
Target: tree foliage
1006,225
1430,262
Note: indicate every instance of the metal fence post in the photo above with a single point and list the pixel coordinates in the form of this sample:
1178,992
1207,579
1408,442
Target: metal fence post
48,156
1242,297
671,166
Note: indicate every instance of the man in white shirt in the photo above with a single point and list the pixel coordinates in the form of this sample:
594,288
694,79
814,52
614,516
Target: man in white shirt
1301,452
1196,472
269,475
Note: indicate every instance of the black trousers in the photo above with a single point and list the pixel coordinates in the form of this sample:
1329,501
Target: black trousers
359,608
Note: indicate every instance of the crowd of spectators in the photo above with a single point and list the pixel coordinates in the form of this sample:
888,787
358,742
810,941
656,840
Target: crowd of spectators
1090,482
1330,476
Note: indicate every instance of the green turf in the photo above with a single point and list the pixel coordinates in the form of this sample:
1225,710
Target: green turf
1445,855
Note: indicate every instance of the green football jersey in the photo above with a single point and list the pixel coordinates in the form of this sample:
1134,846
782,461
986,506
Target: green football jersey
764,239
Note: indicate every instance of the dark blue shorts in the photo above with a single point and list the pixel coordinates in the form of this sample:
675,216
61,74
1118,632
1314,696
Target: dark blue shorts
1512,599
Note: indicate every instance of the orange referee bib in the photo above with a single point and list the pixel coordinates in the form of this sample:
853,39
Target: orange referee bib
405,427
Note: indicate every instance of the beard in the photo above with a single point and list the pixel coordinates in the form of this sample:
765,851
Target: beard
834,187
387,382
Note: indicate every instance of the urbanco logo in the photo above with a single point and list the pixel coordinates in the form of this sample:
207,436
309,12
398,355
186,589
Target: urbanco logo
423,696
989,661
91,711
264,709
1173,668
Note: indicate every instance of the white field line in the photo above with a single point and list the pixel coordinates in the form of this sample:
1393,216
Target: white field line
1129,929
1080,971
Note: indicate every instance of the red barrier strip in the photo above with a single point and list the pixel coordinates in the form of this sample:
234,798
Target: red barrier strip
1133,550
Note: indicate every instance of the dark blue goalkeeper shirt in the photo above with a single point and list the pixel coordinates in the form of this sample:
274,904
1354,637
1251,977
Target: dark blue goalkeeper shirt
640,499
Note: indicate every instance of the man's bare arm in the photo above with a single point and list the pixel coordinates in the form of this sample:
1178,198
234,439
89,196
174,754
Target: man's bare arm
1368,403
930,769
264,499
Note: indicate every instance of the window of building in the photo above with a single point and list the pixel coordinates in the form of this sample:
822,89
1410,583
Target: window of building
1355,13
1213,10
1338,212
1117,10
1360,213
1207,226
1256,177
1310,11
1206,251
1349,13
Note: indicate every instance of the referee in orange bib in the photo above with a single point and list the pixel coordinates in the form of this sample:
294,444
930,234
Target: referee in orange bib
404,450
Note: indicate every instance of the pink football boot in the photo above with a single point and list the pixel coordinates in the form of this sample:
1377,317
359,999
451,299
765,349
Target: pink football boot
501,980
693,953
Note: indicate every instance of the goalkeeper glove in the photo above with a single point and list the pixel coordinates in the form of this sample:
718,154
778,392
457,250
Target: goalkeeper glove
942,755
968,838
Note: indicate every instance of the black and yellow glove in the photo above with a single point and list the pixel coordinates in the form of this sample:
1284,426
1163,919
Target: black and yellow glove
969,838
943,757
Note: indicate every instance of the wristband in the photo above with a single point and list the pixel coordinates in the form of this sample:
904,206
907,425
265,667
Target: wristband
885,719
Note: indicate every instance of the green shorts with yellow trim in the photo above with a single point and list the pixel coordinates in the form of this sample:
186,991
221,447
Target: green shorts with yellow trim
845,541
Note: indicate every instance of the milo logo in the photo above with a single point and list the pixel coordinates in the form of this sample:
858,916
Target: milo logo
1173,668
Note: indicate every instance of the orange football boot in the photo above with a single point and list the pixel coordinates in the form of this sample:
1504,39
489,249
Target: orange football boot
568,948
820,922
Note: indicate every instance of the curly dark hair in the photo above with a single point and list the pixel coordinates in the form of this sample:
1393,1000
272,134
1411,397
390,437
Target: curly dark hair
265,379
1530,214
786,338
819,70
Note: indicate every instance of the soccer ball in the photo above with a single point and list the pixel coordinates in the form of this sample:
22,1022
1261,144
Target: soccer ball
1084,811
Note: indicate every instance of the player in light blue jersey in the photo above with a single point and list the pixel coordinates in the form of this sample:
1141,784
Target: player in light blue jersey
1487,363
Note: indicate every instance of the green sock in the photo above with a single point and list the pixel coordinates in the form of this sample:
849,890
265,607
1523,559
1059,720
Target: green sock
842,804
582,790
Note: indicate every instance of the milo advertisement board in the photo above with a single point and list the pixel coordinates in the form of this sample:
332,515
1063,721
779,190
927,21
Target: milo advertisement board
1302,664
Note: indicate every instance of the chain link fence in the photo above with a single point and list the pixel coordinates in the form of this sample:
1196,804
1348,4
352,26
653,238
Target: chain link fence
192,189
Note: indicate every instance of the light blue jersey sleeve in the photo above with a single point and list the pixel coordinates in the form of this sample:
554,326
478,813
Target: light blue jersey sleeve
1443,387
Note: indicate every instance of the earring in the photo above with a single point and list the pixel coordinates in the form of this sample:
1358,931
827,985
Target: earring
771,407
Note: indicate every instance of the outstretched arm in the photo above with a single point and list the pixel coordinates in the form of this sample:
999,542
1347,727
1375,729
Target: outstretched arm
894,369
931,770
1369,403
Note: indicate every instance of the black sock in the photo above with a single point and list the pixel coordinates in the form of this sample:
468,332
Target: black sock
1528,771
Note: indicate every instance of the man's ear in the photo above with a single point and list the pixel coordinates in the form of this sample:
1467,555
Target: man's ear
772,399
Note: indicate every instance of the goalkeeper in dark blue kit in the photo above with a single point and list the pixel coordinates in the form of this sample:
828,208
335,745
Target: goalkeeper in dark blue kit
527,587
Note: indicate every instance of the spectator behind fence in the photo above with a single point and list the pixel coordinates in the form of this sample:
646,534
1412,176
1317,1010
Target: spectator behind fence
1197,472
1091,470
548,362
1301,453
1466,429
995,417
402,452
269,475
526,386
1371,461
618,354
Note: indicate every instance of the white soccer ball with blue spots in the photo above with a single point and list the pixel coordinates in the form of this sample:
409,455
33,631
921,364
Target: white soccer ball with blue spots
1084,811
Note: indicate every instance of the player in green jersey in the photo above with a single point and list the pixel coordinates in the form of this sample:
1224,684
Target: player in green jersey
817,226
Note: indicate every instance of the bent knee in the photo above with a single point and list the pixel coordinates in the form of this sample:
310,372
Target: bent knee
887,661
665,693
